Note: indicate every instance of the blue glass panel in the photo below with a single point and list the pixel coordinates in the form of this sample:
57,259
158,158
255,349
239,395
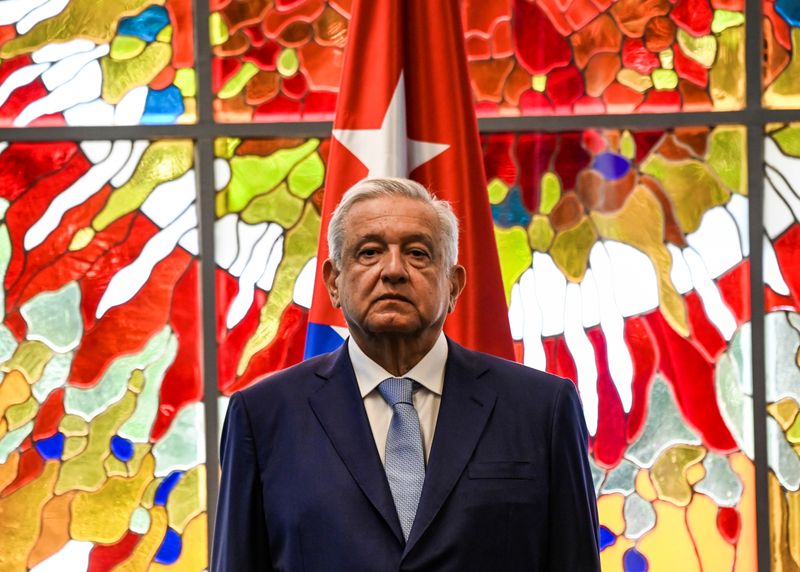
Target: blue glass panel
607,538
611,165
166,486
122,448
146,25
511,212
52,447
633,561
163,106
170,548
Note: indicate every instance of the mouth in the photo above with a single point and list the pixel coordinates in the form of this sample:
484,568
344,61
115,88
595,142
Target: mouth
393,297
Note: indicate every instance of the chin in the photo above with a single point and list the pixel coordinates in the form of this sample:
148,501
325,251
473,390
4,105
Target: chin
392,326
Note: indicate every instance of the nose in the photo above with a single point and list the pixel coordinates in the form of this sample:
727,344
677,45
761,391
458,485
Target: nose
394,268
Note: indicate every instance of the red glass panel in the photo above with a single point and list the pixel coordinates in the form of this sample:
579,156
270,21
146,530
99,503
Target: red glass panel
527,57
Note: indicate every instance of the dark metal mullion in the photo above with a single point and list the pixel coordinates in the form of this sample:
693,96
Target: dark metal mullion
755,184
635,120
755,162
204,133
204,152
205,128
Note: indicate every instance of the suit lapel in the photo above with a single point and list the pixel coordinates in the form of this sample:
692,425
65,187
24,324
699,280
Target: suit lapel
340,410
465,408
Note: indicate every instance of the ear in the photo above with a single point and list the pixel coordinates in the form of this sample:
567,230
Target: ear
458,279
329,274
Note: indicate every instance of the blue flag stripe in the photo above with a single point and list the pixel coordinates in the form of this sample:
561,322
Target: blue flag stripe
321,339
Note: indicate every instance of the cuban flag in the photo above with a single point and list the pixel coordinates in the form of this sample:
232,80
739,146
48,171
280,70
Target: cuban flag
405,110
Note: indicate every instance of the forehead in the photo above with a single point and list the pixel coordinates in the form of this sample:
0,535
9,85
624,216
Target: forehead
390,215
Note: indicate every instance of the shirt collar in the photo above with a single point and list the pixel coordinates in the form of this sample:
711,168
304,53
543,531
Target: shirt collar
429,371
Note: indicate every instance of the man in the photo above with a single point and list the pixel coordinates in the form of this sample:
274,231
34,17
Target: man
403,450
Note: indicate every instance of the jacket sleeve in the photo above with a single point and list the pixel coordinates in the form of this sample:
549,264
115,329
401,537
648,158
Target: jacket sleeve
241,543
574,527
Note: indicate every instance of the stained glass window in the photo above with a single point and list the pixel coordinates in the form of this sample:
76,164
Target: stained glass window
781,58
105,62
654,325
282,61
102,456
782,339
625,257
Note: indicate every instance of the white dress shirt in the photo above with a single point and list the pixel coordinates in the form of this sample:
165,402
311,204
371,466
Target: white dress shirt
428,373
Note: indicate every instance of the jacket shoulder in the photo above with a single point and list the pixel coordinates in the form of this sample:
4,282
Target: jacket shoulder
511,377
297,380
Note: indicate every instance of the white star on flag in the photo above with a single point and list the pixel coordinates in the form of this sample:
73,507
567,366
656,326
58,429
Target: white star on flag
380,149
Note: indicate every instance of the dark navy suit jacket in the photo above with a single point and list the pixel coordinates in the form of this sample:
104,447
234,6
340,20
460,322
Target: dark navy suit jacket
507,487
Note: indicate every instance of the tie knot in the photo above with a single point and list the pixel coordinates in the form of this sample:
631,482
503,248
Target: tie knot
397,390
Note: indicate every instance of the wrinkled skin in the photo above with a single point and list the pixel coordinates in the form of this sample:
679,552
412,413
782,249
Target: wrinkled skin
393,286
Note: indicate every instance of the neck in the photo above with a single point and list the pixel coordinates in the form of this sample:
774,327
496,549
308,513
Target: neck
395,354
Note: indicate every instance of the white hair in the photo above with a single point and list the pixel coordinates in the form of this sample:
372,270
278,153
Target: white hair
394,187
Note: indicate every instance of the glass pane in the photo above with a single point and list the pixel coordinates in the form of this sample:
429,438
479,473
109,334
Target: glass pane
781,64
101,424
283,61
269,192
105,62
782,339
624,256
625,261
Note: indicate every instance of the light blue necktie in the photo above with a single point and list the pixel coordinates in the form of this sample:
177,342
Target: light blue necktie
404,460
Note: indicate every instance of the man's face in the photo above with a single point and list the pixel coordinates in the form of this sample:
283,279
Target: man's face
393,280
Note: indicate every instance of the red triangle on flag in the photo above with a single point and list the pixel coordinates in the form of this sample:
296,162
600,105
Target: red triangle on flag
405,110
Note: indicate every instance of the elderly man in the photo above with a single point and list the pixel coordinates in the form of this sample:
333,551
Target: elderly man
403,450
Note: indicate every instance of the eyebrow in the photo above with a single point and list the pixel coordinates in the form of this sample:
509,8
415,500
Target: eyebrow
417,237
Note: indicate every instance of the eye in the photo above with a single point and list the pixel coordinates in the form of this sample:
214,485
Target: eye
368,253
419,254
